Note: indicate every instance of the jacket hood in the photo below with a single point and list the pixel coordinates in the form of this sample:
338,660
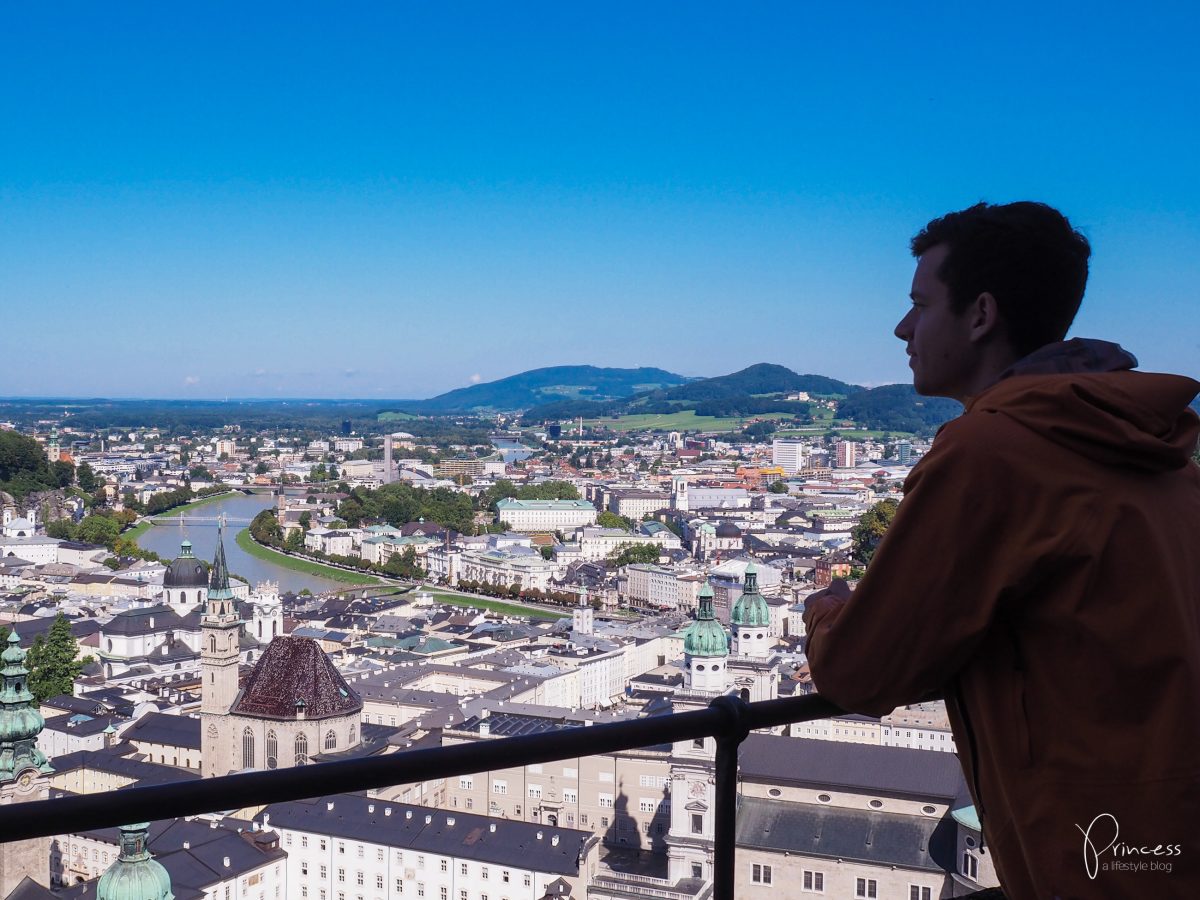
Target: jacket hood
1083,395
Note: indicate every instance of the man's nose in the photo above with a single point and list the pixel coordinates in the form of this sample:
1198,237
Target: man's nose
902,329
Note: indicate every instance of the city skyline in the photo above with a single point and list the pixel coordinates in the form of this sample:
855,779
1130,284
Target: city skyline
392,203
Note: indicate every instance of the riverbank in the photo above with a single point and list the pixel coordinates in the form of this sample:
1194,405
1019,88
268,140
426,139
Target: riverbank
252,548
145,525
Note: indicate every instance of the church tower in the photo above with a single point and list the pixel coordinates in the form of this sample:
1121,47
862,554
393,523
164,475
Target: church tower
752,664
184,582
268,612
693,763
219,657
22,766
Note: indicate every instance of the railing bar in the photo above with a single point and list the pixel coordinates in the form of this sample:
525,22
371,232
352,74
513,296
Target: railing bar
188,798
725,811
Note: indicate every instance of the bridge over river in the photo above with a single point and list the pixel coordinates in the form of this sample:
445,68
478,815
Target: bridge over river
184,519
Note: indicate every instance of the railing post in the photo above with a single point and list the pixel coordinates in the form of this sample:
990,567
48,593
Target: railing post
725,814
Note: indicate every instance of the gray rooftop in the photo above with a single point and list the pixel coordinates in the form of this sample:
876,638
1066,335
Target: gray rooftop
879,838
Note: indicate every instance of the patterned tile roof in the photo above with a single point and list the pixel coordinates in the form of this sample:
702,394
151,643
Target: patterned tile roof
295,670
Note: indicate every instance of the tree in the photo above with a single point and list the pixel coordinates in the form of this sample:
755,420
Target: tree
636,553
86,476
199,473
63,472
305,519
871,527
608,519
52,662
294,542
404,564
97,529
260,468
778,487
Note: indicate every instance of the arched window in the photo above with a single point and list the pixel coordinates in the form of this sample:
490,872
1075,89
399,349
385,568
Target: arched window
272,750
212,643
274,629
260,628
330,740
301,750
353,735
247,748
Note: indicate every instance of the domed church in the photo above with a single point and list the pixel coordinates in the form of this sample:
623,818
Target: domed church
185,583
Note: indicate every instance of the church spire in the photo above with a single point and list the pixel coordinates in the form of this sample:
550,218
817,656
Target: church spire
218,580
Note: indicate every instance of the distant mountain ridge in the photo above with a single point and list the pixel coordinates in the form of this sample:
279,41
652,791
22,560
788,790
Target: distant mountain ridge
554,383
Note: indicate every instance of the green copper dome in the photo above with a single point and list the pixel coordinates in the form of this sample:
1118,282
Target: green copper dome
20,721
135,875
705,636
751,610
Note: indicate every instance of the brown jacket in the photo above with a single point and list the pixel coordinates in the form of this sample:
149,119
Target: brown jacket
1043,573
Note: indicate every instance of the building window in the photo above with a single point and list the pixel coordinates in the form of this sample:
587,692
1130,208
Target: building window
570,795
606,801
379,882
247,748
444,864
341,875
760,874
272,750
697,823
301,750
697,870
916,892
324,872
353,736
813,881
466,783
499,787
330,740
970,866
535,792
866,888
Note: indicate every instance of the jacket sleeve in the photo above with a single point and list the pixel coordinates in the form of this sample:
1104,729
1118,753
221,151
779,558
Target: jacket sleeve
932,590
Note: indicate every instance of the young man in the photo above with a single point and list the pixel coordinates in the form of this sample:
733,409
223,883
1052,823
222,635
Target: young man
1042,573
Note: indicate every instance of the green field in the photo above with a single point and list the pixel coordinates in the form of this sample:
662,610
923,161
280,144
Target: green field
258,551
852,433
499,606
395,416
686,420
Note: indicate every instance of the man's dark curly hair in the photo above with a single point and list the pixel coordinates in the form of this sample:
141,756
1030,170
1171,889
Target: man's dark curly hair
1025,254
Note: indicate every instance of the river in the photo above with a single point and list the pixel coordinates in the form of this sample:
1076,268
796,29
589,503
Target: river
165,539
512,450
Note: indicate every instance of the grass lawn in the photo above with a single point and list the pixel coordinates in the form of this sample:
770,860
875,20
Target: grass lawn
395,416
499,606
258,551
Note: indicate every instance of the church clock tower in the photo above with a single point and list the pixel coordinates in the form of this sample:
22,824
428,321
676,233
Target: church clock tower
22,766
219,657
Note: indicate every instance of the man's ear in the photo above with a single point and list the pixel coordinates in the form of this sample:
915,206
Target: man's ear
985,318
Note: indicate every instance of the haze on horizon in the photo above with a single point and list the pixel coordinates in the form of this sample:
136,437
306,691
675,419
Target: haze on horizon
286,201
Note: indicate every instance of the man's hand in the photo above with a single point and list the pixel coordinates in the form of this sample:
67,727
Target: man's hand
836,594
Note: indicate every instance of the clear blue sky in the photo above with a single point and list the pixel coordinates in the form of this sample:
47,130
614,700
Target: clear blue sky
390,200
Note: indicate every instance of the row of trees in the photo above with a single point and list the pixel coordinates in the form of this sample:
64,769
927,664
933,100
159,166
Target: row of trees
516,592
266,530
400,502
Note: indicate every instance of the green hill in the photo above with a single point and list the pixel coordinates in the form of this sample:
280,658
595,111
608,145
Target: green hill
541,386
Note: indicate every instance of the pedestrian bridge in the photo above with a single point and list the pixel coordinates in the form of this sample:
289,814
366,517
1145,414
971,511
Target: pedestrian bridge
182,520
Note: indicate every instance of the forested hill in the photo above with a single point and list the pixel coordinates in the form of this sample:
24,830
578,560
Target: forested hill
540,386
898,407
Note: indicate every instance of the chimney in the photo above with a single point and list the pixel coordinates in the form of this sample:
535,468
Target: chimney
492,827
329,806
370,807
408,814
187,845
226,862
450,821
539,835
387,811
428,819
554,841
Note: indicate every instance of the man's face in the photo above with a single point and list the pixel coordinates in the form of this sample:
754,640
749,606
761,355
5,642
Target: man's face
940,351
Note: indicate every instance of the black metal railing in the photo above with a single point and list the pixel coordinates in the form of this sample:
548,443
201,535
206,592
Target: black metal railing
726,718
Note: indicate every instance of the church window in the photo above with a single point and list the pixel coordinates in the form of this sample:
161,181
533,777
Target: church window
301,750
272,750
212,643
330,740
247,748
353,735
